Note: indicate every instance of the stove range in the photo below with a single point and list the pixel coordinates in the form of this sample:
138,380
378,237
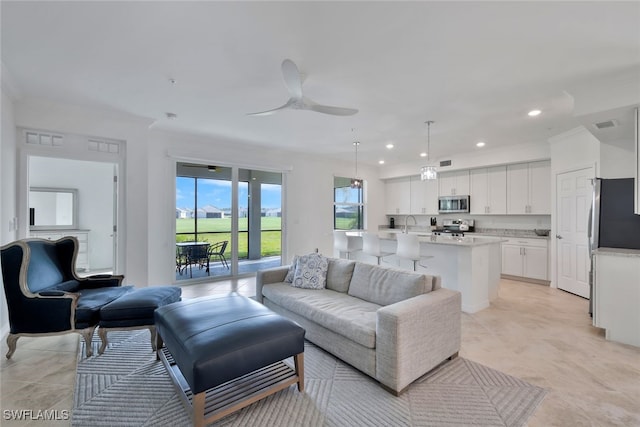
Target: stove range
458,226
449,233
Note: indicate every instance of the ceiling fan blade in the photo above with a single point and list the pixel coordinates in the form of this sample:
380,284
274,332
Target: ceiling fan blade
327,109
289,103
291,76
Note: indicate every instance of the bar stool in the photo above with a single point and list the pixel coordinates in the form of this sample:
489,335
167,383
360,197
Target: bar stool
408,248
342,243
371,246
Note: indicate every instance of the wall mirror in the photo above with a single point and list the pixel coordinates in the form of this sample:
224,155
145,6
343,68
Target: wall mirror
53,208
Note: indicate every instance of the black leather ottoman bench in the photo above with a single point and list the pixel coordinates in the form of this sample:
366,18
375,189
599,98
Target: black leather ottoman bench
134,310
230,350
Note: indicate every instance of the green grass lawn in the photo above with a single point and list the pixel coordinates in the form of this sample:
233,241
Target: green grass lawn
220,229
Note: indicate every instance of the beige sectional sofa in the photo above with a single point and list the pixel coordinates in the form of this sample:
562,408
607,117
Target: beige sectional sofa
393,325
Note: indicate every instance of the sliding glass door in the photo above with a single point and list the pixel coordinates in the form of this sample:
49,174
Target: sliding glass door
215,240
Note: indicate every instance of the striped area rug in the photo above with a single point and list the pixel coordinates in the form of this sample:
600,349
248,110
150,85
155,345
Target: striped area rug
126,386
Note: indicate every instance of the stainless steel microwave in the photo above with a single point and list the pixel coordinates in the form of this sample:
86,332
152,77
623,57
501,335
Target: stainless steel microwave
453,204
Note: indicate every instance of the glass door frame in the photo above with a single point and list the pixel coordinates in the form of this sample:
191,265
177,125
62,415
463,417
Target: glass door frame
234,238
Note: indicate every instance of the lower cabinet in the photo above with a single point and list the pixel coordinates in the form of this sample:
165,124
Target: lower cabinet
82,261
525,258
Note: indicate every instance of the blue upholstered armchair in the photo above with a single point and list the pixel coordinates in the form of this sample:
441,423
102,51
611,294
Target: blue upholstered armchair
44,294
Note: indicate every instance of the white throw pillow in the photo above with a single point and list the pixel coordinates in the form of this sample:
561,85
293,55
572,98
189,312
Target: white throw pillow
292,269
311,272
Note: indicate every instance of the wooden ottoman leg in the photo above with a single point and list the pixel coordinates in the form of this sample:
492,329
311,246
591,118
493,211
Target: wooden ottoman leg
152,330
159,344
198,409
102,333
299,363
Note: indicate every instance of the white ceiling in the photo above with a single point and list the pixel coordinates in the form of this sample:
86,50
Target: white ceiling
475,68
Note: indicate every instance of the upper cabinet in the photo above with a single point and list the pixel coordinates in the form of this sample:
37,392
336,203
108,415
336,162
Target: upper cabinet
529,188
488,190
398,196
454,183
424,196
521,188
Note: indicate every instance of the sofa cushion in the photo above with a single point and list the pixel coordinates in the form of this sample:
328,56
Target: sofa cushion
339,274
386,286
311,272
350,317
68,286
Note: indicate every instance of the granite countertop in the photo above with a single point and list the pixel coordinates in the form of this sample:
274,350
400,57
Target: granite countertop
509,232
481,232
617,252
428,238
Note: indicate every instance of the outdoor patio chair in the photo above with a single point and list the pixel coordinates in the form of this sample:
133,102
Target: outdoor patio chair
199,254
217,250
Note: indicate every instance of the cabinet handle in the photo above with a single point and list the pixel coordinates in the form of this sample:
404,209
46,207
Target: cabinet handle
558,236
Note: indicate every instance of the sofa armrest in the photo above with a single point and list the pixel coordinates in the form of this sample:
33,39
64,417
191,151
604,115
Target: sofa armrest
100,281
270,275
415,335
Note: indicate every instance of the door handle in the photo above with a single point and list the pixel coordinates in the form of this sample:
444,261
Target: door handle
558,236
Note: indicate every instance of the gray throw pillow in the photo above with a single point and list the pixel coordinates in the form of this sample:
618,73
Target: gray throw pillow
292,269
311,272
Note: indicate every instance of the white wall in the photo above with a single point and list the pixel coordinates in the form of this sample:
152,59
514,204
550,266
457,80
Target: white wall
150,183
617,161
94,182
308,193
476,159
7,189
68,119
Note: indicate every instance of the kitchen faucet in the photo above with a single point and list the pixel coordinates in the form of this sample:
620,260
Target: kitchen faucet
406,220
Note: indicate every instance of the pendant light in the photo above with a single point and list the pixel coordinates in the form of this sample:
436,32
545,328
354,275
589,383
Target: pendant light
428,172
355,181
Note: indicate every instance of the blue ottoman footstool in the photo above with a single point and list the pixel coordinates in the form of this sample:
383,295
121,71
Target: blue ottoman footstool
231,346
134,310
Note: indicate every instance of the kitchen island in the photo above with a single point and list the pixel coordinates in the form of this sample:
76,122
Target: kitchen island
469,264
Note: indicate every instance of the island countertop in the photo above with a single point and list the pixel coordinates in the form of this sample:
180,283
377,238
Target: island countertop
443,239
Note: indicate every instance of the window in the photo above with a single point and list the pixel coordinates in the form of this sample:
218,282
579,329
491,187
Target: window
348,205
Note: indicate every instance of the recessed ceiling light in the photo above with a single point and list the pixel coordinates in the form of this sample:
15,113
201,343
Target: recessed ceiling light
381,162
480,144
534,113
171,116
389,146
423,154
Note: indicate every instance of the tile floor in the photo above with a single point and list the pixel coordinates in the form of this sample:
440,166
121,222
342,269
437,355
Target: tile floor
539,334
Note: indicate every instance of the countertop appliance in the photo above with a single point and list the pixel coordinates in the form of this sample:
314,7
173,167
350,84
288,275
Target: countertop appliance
612,223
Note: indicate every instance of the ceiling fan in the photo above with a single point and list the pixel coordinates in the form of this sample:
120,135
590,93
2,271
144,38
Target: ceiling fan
297,101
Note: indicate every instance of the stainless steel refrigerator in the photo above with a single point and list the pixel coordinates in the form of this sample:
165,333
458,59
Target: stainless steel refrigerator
612,223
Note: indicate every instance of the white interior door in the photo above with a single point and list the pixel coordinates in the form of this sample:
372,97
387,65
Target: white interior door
574,192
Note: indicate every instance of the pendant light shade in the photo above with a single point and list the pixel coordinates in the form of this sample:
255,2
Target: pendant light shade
356,182
428,172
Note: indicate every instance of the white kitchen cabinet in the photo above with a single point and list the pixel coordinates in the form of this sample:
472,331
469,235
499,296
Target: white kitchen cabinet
616,294
488,190
424,196
454,183
529,188
82,260
398,196
525,258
